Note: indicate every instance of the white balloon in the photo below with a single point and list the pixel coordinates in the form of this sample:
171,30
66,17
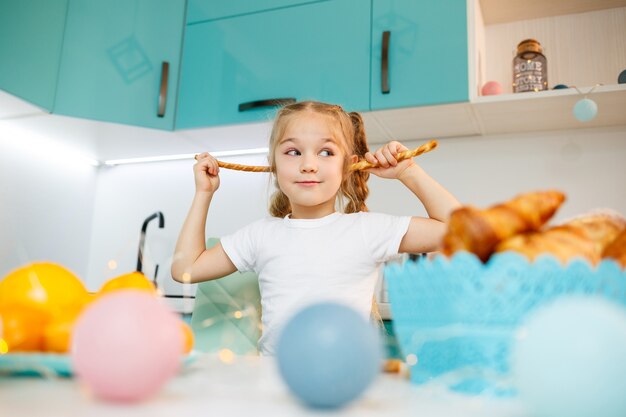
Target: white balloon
570,359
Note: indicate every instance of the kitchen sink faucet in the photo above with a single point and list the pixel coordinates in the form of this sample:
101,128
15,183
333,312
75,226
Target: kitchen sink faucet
142,240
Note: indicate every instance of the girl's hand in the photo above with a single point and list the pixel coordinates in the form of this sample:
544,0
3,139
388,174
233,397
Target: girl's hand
205,172
388,165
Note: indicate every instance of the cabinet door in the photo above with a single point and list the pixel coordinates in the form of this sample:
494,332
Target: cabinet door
31,36
317,51
426,53
112,62
200,10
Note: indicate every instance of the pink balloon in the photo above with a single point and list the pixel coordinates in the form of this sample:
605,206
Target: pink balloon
491,88
126,345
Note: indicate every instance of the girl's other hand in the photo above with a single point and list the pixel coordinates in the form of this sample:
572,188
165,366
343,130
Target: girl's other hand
206,173
388,165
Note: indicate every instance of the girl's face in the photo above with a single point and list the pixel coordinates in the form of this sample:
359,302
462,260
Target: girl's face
309,165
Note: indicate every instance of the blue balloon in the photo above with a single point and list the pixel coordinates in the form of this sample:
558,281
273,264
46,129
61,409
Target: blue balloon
569,359
328,354
585,110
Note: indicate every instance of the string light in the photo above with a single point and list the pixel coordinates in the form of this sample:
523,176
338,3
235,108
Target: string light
585,109
227,356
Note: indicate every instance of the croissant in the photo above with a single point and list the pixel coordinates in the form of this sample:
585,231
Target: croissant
602,228
480,231
617,249
586,237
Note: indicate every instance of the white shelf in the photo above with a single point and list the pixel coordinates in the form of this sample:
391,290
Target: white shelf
491,115
411,123
548,110
509,113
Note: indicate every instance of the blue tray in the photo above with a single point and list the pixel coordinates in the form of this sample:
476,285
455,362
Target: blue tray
457,317
49,364
43,364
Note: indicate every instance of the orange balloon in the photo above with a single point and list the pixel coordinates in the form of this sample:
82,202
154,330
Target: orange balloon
43,285
88,298
57,334
22,328
188,336
133,280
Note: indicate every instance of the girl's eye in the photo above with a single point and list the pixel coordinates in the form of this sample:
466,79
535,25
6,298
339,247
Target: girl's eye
292,152
326,152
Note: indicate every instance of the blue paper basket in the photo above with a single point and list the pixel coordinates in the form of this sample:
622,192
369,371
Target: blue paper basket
457,318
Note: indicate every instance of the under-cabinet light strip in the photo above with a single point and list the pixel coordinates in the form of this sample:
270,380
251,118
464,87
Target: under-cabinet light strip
112,162
92,162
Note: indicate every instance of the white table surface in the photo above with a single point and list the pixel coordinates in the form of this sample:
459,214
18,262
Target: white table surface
248,387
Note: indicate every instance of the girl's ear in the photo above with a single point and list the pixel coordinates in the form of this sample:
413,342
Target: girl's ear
354,159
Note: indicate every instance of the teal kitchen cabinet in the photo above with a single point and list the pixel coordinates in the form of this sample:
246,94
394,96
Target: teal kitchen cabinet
419,53
201,10
31,38
235,69
120,61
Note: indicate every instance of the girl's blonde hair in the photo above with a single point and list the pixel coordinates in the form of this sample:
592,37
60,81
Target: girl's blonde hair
349,130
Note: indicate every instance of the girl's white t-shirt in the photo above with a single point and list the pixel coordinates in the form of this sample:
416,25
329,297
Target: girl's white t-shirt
304,261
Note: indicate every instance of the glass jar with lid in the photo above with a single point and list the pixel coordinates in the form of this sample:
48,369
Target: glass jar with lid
530,68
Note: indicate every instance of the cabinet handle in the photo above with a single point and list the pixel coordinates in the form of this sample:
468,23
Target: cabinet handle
165,69
266,103
384,64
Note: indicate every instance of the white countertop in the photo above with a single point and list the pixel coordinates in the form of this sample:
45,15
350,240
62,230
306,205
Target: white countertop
249,387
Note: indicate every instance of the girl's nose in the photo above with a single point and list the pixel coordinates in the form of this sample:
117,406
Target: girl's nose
308,164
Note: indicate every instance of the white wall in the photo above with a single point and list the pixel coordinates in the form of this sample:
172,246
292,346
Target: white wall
588,165
47,193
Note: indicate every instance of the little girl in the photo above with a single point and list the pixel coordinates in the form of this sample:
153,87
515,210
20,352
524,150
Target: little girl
307,251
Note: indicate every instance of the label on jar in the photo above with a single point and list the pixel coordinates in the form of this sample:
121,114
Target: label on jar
529,75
